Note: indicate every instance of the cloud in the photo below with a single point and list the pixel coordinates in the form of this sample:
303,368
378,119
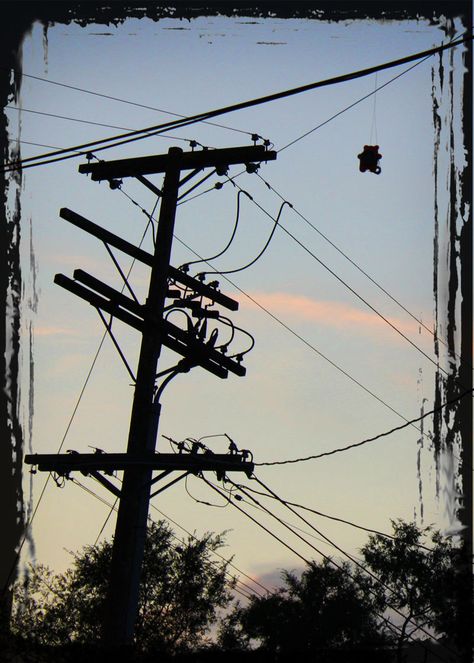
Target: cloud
328,313
52,331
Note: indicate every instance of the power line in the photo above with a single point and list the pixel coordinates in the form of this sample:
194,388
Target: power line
260,254
341,252
91,122
214,552
301,338
113,508
322,124
186,265
354,263
370,439
329,559
353,560
350,288
123,101
325,515
152,130
293,332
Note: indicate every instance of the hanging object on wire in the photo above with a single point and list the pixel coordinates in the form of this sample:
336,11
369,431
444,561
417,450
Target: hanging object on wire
369,159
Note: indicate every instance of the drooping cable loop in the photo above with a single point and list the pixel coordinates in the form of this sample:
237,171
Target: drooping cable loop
185,266
252,262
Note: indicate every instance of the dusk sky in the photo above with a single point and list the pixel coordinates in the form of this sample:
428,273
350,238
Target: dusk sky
293,402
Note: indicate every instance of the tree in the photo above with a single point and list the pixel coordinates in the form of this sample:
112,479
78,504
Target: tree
180,592
326,608
422,578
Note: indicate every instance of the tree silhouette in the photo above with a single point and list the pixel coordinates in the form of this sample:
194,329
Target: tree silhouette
181,590
327,608
423,579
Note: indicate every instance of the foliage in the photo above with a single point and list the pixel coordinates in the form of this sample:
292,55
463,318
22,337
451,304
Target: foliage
180,593
326,608
422,578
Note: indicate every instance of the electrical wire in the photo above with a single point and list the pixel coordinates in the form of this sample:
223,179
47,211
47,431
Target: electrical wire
355,103
28,525
333,273
122,139
344,283
329,559
198,501
370,439
229,562
114,508
354,561
352,262
340,520
185,266
123,101
302,339
81,121
252,262
296,335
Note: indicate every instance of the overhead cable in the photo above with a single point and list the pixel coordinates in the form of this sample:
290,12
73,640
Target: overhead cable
186,265
260,254
91,122
353,560
123,101
309,345
341,280
333,117
328,558
335,518
122,139
358,267
113,507
370,439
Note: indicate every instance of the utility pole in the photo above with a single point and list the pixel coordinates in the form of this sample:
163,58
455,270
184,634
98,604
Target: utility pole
130,531
141,459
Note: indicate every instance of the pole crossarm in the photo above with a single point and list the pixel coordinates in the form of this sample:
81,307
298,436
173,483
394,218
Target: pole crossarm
62,464
176,275
128,311
106,170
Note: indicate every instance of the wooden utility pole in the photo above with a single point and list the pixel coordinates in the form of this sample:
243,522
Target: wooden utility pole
141,459
130,531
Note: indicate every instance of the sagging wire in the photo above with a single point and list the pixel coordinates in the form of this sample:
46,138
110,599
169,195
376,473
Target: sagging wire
252,262
411,422
185,266
113,507
198,501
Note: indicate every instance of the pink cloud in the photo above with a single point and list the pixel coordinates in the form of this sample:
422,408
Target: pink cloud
51,331
329,313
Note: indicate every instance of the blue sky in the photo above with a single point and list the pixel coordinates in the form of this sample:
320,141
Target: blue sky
292,403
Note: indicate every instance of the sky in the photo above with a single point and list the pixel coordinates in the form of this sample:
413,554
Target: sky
326,371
